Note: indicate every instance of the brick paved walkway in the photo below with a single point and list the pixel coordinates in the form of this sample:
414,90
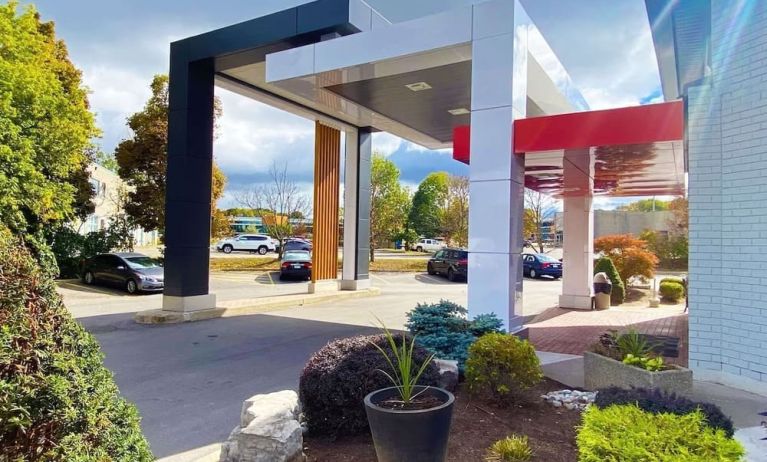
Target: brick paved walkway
572,331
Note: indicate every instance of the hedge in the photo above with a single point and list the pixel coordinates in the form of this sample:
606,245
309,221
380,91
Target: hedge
57,400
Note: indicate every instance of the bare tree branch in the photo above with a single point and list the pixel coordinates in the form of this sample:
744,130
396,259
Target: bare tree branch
539,209
275,202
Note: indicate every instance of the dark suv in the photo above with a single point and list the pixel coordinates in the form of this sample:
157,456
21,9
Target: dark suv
453,263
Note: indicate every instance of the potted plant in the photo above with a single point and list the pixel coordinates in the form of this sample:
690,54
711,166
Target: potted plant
409,422
627,361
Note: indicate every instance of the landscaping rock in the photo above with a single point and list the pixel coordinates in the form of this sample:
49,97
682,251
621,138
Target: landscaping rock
570,399
269,430
448,373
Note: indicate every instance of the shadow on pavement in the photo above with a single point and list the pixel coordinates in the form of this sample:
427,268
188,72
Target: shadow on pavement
189,380
78,286
428,279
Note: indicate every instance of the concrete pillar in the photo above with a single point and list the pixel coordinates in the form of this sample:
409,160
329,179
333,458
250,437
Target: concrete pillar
578,230
355,273
188,187
496,174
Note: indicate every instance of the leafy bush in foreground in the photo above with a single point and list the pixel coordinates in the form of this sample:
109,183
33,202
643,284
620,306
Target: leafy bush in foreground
627,433
337,378
501,366
656,401
443,329
57,400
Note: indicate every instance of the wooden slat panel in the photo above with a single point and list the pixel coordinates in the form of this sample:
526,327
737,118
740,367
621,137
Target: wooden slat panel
327,165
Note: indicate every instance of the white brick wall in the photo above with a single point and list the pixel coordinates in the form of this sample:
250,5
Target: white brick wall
727,148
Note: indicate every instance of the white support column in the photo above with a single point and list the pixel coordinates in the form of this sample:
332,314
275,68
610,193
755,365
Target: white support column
498,96
578,231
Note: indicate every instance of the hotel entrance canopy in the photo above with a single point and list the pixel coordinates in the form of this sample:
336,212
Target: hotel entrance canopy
632,151
346,67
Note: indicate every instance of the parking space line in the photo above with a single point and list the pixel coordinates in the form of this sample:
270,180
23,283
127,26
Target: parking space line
379,278
269,273
95,290
433,278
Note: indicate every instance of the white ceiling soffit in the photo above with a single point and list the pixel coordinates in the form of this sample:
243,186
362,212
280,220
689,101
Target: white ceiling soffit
299,75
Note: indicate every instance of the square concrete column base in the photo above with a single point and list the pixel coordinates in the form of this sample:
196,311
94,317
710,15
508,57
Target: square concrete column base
577,302
190,303
324,286
354,284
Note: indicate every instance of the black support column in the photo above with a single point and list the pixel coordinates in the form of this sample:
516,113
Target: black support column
356,267
188,195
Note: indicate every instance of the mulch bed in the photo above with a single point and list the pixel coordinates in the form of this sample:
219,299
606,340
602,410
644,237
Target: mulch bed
476,425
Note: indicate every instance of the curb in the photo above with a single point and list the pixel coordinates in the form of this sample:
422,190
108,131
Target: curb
248,306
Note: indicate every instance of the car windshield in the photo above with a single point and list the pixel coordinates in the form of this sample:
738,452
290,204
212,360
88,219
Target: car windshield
296,256
143,262
546,258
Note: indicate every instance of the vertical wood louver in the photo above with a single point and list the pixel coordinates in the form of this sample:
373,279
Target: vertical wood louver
327,165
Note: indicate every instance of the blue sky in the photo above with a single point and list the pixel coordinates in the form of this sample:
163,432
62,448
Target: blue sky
604,44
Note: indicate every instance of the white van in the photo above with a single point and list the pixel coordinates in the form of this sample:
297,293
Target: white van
428,245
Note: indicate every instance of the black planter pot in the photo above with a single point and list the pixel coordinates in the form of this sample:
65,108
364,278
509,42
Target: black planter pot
410,436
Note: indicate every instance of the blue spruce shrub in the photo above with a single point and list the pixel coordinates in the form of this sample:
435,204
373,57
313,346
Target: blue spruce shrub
444,329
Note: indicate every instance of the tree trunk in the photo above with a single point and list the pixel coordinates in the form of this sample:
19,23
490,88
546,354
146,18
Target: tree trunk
372,252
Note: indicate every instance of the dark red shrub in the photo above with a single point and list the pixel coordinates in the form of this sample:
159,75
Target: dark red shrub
338,377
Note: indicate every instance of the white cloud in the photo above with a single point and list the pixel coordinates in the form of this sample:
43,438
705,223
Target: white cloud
386,143
251,136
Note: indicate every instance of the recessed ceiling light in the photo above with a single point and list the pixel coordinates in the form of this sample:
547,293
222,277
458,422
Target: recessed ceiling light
418,86
458,111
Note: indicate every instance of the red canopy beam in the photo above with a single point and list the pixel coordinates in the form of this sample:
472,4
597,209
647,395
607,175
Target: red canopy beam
630,125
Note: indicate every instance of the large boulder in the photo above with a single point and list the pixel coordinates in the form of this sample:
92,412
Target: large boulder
269,430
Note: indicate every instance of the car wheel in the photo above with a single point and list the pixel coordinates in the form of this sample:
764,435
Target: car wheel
430,269
533,274
131,287
282,277
451,275
88,278
419,249
227,248
262,250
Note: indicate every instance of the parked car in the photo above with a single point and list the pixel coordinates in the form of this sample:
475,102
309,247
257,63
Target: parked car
296,264
260,243
297,244
453,263
536,265
133,272
428,245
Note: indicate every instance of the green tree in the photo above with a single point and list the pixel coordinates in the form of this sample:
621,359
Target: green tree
46,126
389,202
107,161
646,205
142,160
456,213
429,201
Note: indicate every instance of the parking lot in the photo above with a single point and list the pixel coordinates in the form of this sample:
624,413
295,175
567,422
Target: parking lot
91,301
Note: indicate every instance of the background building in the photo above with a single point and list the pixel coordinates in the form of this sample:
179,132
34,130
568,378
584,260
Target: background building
108,191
